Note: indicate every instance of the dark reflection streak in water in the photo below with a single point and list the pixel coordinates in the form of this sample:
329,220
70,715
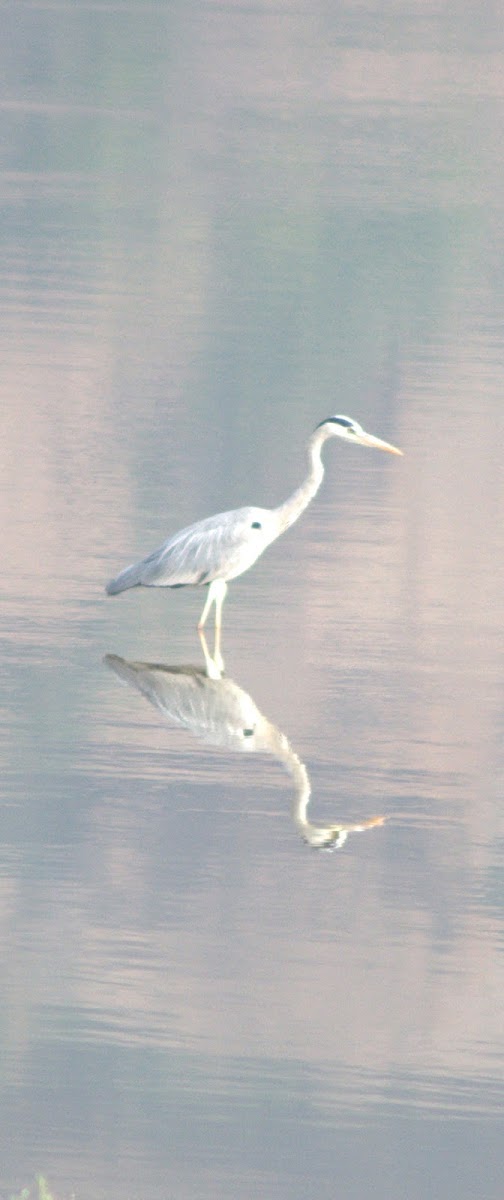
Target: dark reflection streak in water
220,713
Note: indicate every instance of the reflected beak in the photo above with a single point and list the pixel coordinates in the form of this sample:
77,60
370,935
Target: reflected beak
367,439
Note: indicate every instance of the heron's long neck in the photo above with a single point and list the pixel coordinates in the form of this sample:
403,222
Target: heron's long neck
291,509
284,754
315,835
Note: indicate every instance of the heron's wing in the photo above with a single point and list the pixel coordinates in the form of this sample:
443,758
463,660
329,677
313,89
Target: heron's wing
219,547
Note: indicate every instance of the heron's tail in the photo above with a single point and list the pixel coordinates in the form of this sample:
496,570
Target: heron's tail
130,577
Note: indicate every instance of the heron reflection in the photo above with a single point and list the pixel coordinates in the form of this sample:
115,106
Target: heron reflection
222,714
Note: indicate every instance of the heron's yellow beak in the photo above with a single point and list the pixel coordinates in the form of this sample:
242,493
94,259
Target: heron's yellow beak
367,439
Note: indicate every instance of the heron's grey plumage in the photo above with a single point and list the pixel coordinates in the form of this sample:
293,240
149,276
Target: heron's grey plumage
219,547
222,547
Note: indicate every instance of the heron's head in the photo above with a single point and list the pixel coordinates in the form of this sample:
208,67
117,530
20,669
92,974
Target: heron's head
351,431
326,839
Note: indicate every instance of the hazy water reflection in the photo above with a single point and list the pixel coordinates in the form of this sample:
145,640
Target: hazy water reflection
219,223
221,713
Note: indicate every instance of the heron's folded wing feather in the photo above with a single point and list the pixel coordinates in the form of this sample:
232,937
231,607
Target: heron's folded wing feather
218,547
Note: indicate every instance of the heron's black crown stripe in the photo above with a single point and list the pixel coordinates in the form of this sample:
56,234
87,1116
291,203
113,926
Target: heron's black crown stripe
344,421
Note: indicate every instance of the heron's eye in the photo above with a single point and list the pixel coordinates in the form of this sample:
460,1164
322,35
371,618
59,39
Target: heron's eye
256,524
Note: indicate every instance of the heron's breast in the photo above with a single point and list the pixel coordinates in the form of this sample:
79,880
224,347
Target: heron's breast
256,536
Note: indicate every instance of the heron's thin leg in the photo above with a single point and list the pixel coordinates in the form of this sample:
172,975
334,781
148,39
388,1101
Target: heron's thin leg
217,656
216,595
211,597
219,587
220,596
214,670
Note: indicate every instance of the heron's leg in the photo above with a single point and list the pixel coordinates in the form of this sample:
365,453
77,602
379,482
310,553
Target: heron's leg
213,669
217,656
219,590
216,595
211,599
220,586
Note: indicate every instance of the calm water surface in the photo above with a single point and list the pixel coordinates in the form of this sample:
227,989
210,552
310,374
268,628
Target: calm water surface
221,223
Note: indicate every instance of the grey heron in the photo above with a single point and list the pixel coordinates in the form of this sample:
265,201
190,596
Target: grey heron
217,549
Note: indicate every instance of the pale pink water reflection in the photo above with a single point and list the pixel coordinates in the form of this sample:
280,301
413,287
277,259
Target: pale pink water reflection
219,227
